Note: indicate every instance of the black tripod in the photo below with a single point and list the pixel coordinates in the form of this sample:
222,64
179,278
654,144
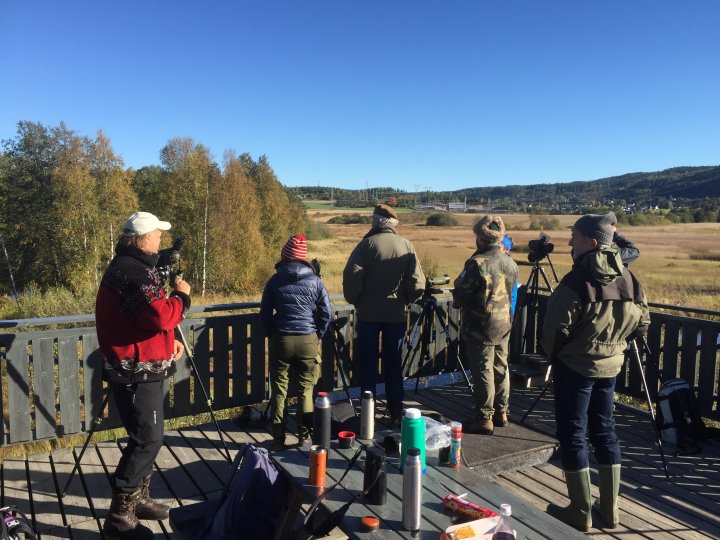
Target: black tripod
424,326
340,346
98,419
531,297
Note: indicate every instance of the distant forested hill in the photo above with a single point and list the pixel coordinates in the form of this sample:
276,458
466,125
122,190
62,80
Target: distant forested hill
676,187
681,185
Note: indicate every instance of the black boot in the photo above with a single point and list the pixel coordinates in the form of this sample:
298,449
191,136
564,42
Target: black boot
122,522
278,433
147,508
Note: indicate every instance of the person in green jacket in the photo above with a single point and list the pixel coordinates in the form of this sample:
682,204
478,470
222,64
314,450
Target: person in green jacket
597,308
483,291
381,278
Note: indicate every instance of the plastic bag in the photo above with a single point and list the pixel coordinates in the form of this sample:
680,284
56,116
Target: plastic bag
437,434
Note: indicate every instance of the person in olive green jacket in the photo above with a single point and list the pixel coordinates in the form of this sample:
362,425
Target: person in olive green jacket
484,293
381,278
597,308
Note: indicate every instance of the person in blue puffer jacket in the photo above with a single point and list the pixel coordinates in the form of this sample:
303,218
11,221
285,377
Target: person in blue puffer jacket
295,312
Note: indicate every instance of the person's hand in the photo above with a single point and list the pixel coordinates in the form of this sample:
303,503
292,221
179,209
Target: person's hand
179,350
182,286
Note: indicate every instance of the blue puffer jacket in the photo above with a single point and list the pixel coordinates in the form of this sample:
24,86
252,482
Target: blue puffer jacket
295,301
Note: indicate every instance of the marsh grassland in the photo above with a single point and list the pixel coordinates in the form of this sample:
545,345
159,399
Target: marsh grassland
679,264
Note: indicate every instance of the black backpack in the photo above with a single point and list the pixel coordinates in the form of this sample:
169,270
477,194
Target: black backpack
678,415
255,500
15,525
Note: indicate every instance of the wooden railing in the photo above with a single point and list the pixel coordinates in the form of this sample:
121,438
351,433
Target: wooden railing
51,380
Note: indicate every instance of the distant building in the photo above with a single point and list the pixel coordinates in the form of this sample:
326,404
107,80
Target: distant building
457,207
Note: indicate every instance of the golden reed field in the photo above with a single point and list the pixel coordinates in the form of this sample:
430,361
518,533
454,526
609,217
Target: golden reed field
679,264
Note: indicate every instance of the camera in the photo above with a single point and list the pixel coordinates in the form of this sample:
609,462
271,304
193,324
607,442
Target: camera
540,248
167,259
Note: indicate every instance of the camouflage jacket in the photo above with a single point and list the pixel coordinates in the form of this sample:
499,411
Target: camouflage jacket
484,292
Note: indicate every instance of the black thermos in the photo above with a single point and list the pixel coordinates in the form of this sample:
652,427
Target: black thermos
375,467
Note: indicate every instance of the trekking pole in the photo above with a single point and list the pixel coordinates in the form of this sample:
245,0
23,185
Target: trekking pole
95,424
537,399
189,353
658,435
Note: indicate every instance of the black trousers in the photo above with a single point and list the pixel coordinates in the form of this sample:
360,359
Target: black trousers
141,409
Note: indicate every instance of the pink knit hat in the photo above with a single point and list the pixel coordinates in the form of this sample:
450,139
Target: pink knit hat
295,248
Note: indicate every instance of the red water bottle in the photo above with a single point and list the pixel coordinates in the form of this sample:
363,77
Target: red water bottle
455,444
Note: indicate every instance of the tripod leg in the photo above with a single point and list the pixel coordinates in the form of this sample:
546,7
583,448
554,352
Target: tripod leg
343,375
658,435
537,400
96,422
189,353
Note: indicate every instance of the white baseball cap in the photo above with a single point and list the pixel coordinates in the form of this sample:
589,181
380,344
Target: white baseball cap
144,222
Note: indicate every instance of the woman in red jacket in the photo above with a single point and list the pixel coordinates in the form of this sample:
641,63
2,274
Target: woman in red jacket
135,324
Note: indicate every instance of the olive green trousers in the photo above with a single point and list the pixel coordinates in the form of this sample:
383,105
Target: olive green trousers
293,358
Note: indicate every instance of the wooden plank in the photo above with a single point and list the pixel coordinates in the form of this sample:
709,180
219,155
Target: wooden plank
175,479
201,332
69,385
707,380
221,364
258,363
46,504
200,470
689,353
239,361
44,388
75,503
182,405
18,391
94,391
670,350
97,482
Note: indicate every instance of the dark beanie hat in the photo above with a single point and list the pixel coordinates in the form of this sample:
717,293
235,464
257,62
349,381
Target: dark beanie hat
597,226
385,211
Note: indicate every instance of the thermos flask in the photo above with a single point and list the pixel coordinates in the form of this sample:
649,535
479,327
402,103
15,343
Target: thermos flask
375,468
413,435
367,416
321,421
412,490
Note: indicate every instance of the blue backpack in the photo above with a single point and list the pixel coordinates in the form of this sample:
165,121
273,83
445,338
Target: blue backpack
255,500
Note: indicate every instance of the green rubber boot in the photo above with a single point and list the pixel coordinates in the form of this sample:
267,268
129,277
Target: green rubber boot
579,513
607,505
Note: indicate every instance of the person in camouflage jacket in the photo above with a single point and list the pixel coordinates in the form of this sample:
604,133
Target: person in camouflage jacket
484,293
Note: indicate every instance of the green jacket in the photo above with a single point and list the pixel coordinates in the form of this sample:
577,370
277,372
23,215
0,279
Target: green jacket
382,276
593,313
484,292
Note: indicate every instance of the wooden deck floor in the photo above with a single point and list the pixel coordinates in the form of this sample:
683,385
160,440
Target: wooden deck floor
191,468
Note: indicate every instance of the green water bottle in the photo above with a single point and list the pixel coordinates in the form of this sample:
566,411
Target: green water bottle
412,435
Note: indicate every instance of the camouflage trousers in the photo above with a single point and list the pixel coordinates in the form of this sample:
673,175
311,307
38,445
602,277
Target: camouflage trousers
491,376
296,358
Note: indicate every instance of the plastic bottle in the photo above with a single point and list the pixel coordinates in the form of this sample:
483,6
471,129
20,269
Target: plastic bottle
321,420
412,490
503,530
375,476
367,416
413,435
455,444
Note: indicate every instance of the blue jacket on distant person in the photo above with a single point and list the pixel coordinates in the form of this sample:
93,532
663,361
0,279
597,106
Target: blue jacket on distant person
295,301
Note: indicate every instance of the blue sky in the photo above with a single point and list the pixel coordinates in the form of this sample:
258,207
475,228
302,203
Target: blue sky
412,94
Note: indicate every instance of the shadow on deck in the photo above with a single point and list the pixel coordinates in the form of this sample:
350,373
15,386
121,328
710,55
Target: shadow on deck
191,468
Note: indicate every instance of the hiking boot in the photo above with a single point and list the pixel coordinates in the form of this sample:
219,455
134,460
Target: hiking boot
578,513
147,507
481,426
500,419
122,522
